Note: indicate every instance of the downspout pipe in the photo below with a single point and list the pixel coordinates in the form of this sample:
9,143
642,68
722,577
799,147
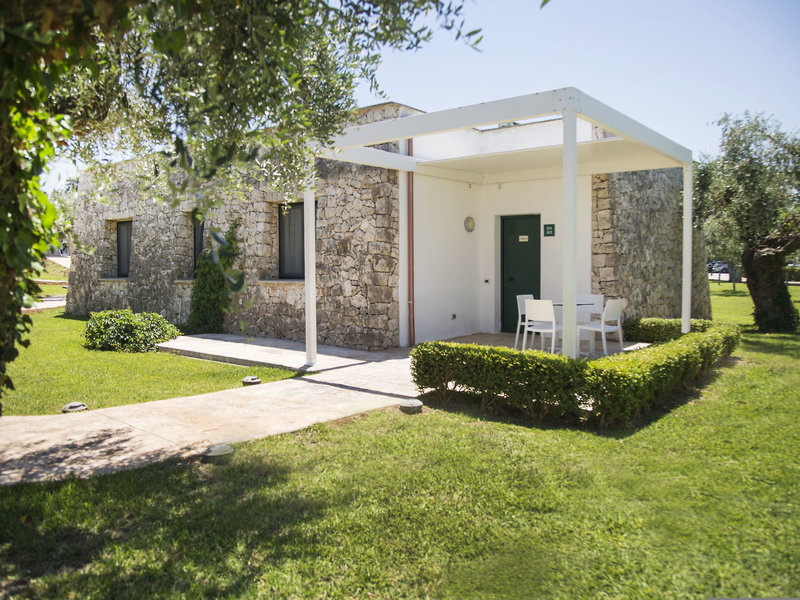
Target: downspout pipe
410,211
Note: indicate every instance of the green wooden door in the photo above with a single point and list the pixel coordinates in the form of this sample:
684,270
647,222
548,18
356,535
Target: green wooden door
521,264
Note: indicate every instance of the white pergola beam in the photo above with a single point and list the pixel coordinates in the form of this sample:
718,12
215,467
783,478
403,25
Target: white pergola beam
614,121
310,264
569,342
371,157
518,108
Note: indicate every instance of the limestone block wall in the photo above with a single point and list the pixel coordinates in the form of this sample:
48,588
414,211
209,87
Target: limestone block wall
637,244
161,253
357,264
357,255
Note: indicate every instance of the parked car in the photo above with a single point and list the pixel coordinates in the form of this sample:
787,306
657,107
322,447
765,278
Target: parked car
721,267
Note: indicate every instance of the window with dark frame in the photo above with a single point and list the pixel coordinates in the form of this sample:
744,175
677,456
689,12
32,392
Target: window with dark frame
198,228
124,229
290,241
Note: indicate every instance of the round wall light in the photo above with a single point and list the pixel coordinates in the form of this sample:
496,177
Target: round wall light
469,224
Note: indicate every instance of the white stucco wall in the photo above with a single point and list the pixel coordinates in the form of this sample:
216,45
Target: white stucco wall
537,197
458,273
446,259
452,266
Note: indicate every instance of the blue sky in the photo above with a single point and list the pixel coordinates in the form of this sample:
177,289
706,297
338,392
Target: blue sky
673,65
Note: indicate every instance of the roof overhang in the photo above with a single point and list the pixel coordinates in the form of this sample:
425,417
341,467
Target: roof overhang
636,148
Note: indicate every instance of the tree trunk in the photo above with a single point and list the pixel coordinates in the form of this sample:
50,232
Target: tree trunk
774,310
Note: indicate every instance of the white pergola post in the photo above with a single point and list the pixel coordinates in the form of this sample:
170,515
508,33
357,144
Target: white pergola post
310,263
686,296
570,234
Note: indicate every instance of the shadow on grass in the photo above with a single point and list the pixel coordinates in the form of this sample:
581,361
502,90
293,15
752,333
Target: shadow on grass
114,446
182,527
742,293
469,404
69,317
781,344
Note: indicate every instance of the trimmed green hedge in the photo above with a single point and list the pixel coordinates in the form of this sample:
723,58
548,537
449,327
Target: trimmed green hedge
653,330
612,390
537,383
125,331
624,385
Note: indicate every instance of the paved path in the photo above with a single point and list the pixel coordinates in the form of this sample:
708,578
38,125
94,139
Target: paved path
64,261
51,301
343,383
47,304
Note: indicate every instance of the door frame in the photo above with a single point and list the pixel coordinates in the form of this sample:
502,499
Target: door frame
500,264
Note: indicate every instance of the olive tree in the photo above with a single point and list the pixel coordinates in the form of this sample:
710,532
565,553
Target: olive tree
749,202
205,83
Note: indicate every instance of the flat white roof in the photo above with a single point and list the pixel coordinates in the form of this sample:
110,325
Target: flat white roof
635,146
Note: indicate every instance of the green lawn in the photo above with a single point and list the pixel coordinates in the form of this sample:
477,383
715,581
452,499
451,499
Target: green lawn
52,289
54,272
57,369
700,501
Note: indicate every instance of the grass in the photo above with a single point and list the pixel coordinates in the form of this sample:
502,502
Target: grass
54,272
51,289
701,501
57,369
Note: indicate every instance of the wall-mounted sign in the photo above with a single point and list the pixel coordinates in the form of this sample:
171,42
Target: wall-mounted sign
550,230
523,238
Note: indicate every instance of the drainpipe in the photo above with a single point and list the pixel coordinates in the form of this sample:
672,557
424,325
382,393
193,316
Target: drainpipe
410,199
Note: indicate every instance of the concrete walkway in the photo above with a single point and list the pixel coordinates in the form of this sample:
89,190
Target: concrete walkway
47,304
343,383
64,261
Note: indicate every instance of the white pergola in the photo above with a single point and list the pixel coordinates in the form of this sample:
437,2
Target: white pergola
633,147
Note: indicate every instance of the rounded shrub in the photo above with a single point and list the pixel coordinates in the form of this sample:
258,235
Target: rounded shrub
126,331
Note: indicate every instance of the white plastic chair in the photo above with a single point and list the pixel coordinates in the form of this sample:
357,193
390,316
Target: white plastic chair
521,314
589,306
611,314
540,317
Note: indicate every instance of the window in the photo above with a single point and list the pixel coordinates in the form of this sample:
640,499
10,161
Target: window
198,227
124,248
290,241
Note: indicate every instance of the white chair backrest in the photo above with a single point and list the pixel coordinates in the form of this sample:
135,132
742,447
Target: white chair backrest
613,310
539,310
596,301
521,302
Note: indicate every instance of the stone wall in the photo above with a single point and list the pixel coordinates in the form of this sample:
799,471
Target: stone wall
357,256
637,244
357,264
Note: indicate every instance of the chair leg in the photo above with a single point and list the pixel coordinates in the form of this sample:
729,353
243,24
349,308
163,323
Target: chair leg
605,343
621,347
553,344
516,337
592,337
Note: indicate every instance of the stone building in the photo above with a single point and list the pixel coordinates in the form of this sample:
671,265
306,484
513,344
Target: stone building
400,258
